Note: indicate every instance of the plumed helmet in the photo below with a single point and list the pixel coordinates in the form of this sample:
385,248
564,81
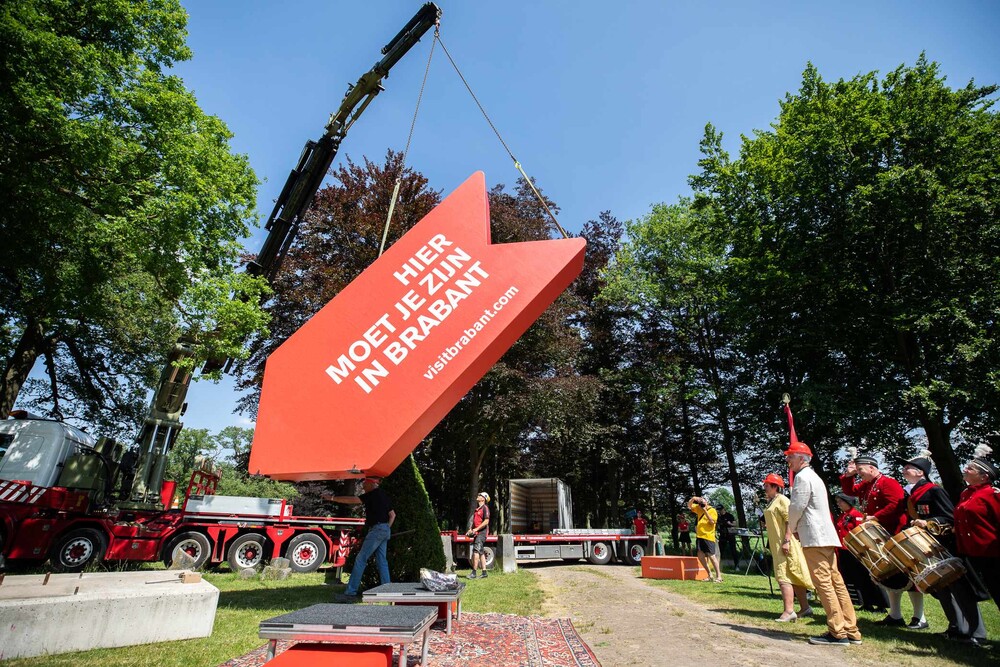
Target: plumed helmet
981,463
921,461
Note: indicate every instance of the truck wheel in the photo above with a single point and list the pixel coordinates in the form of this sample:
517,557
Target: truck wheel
192,543
634,551
489,555
306,552
600,553
77,549
247,551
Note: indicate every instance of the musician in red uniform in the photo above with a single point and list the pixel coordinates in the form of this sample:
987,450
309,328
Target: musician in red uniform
871,596
882,499
977,520
928,502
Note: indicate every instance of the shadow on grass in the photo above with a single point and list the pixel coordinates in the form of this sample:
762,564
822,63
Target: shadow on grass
761,632
289,597
923,644
769,615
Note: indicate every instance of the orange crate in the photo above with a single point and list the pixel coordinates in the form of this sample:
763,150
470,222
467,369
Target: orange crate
673,567
320,655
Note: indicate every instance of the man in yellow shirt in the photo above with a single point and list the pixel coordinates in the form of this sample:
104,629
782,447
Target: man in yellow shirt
704,532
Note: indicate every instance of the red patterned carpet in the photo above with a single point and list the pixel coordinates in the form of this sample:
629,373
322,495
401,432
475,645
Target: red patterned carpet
487,639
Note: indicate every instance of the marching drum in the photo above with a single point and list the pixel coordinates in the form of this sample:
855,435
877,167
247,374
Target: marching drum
867,542
928,564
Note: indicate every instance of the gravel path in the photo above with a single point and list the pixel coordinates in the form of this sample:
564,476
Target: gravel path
628,623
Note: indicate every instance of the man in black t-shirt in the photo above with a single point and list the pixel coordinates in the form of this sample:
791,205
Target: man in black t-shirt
379,516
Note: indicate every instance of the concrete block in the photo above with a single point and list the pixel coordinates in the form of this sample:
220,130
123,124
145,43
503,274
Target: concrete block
449,556
105,610
182,561
505,553
275,573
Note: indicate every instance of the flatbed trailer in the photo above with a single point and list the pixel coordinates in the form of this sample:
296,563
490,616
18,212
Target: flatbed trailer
536,504
597,546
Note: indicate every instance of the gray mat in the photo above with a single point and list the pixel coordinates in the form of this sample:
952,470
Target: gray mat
406,619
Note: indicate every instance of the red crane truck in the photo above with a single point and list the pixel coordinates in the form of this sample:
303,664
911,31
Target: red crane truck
77,500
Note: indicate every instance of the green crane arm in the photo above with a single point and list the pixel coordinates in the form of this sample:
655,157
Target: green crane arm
163,421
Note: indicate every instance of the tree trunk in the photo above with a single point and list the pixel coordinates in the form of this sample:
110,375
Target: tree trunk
938,433
29,348
476,455
939,442
734,476
690,446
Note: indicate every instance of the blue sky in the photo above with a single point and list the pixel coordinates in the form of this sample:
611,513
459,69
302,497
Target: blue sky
603,103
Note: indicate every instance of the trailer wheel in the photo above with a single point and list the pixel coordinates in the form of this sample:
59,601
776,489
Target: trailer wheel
306,552
634,551
77,549
600,553
192,543
247,551
489,555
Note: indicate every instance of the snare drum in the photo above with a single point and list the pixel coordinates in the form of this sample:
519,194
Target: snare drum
867,542
927,563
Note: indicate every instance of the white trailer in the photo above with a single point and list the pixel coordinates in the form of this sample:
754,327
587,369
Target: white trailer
540,514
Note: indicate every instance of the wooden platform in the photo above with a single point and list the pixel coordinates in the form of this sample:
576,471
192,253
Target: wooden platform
673,567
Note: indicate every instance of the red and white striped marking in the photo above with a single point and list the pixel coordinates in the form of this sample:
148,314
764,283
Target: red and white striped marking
19,492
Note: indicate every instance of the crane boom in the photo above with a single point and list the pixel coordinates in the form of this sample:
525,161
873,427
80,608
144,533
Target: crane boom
163,420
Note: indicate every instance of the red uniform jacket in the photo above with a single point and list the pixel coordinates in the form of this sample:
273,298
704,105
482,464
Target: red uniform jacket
882,498
847,522
977,522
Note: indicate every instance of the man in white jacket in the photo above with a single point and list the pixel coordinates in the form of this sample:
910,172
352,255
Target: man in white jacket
809,520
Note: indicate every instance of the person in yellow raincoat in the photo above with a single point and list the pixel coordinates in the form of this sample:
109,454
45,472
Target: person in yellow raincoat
790,571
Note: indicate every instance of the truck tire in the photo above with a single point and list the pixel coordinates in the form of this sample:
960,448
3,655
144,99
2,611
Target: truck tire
600,553
633,553
247,551
489,555
192,543
77,549
306,552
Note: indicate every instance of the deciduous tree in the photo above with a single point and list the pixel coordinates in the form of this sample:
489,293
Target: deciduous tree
123,206
865,243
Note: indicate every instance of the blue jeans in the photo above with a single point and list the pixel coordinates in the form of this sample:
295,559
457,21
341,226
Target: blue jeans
375,543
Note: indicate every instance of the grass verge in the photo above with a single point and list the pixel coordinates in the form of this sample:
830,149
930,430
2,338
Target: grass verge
749,602
243,604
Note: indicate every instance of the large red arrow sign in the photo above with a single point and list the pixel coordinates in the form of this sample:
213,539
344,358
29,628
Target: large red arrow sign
357,388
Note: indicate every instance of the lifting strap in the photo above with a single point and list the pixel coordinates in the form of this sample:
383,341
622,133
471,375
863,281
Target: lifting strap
402,166
517,164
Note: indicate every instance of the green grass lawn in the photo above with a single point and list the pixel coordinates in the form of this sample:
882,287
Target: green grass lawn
748,601
243,604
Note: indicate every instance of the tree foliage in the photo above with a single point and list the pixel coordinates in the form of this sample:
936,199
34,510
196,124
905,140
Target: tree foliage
123,206
229,450
416,540
865,248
